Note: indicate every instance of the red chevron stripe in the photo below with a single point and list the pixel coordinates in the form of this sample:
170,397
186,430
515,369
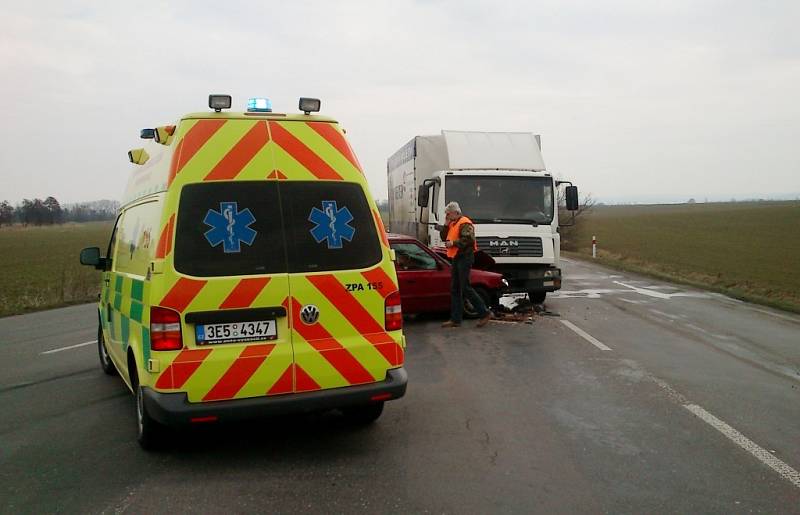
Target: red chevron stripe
239,372
182,368
165,239
336,139
378,275
242,153
194,140
330,349
285,384
381,228
244,293
304,155
182,294
303,381
357,315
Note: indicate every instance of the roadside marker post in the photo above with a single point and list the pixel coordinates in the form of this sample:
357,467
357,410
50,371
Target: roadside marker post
594,246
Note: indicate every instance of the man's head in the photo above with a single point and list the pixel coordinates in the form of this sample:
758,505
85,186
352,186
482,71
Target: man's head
452,212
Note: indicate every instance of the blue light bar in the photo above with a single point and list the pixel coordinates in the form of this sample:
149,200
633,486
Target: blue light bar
259,105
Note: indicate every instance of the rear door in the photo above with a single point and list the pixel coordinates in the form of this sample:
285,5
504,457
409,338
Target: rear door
338,286
232,287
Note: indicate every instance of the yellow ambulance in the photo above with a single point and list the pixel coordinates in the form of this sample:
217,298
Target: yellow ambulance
249,274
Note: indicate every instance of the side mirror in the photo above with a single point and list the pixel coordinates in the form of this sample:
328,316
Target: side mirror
91,257
572,198
422,195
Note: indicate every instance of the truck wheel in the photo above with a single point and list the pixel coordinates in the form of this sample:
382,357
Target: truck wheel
150,434
364,414
469,309
105,360
537,297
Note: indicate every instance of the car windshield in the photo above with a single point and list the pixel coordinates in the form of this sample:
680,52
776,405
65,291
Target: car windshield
503,199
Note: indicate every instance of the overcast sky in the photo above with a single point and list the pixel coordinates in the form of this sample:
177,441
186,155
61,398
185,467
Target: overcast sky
634,100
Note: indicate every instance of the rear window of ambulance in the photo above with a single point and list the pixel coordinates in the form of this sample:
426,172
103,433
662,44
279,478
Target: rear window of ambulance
268,227
329,226
230,228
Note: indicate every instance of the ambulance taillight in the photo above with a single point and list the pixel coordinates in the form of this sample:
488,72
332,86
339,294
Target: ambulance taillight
165,329
394,312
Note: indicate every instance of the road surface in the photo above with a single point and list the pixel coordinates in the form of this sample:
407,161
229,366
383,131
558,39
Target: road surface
631,396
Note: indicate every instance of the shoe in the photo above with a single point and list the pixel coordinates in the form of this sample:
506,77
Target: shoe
485,320
450,323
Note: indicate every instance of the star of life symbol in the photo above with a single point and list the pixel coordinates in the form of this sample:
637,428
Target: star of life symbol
230,227
332,224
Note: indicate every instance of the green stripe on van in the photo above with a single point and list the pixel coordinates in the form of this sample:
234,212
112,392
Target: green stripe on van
137,290
146,345
136,311
118,284
126,330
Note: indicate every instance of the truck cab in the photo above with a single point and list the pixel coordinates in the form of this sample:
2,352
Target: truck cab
501,184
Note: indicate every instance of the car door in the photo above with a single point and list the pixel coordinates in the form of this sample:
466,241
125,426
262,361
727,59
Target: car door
108,298
338,286
424,279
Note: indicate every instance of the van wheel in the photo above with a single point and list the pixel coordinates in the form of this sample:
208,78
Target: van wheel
469,309
105,360
363,415
537,297
150,434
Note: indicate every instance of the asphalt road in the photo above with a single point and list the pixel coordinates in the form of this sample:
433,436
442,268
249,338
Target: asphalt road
668,401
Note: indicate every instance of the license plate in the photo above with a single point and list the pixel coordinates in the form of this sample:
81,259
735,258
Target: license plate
236,332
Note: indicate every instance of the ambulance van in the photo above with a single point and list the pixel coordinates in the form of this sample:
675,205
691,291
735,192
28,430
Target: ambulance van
249,274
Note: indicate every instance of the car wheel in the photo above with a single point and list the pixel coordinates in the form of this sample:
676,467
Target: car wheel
364,414
537,297
150,434
469,309
105,360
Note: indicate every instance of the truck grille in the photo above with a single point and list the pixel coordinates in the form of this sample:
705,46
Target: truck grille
511,247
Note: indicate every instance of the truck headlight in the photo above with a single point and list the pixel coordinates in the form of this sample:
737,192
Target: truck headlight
504,282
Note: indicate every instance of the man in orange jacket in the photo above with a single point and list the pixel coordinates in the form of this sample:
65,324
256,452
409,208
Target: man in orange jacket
459,238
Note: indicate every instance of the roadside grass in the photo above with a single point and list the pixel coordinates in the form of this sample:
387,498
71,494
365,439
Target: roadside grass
41,268
748,250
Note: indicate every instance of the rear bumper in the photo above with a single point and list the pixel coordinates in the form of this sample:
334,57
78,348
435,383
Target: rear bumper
174,409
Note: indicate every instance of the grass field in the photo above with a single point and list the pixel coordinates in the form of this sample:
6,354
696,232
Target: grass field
41,269
750,250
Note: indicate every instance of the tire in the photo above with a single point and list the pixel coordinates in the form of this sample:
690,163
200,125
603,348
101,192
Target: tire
105,360
363,415
150,434
471,312
537,297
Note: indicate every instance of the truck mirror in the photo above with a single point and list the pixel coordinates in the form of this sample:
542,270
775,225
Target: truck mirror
90,256
422,196
572,198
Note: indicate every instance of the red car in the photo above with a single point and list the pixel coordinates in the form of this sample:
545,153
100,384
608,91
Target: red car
424,277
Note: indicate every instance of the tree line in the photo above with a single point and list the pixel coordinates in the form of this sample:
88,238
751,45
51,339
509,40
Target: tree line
50,211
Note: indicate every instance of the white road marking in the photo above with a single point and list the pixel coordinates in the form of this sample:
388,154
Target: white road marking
84,344
732,434
764,456
586,336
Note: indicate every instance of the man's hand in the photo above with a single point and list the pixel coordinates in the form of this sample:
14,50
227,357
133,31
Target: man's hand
438,227
448,244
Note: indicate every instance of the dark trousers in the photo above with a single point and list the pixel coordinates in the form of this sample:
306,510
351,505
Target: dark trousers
460,288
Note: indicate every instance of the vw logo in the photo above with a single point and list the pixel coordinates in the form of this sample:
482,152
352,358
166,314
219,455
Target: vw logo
309,314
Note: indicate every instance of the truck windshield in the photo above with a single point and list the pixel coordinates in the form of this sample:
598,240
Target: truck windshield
498,199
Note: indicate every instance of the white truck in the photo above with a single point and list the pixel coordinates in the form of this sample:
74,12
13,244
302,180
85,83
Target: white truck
500,181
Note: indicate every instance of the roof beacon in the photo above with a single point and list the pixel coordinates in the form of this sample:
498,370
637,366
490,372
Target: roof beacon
259,105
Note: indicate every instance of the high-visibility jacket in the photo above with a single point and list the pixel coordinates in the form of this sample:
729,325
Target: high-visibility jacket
454,235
